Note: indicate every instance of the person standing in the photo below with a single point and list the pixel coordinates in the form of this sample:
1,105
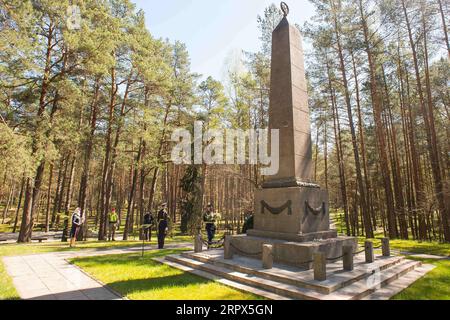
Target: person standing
249,221
76,224
209,220
148,224
113,218
163,225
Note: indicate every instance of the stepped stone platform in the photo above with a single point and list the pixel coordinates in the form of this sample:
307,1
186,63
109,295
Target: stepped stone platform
297,254
380,280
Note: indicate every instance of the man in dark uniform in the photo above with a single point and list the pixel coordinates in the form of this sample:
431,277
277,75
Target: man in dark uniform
163,225
148,225
209,220
248,224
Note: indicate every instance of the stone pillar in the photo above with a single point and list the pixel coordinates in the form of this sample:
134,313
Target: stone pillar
288,110
320,266
267,256
370,256
347,251
198,245
228,250
386,248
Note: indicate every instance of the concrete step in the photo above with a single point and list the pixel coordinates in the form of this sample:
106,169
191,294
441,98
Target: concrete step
400,284
230,283
282,289
365,287
356,290
337,279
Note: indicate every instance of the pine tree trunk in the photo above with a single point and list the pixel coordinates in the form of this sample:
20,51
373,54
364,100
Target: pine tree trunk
16,220
49,190
380,134
444,26
88,146
362,192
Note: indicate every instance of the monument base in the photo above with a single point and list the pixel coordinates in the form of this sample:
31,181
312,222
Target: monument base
297,254
323,235
380,280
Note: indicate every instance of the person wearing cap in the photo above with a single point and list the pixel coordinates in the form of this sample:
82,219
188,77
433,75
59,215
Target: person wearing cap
208,218
163,225
148,224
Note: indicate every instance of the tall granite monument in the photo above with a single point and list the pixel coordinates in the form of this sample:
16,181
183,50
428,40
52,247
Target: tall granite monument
291,211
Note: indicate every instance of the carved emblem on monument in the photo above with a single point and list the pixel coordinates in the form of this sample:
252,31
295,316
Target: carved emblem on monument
276,211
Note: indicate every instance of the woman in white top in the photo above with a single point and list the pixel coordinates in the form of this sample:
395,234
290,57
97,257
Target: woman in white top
76,224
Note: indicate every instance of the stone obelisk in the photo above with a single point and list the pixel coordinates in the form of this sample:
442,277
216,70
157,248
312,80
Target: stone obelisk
289,108
291,211
290,206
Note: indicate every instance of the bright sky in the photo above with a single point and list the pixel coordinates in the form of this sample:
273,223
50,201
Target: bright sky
213,29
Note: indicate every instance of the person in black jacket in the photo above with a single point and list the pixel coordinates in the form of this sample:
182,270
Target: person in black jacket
209,219
248,224
163,225
148,225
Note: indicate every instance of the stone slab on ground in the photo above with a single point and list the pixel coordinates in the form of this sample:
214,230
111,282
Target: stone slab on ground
50,277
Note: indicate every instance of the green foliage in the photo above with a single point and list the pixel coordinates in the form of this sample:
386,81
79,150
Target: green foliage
213,102
14,153
191,213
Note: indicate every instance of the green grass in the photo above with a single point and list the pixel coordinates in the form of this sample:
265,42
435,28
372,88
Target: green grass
4,228
144,279
7,290
434,286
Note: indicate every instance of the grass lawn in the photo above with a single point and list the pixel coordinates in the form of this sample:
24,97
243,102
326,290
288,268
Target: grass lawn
144,279
7,290
434,286
4,228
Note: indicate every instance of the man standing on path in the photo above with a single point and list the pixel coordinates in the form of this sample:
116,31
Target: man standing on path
148,224
76,224
209,220
163,225
113,219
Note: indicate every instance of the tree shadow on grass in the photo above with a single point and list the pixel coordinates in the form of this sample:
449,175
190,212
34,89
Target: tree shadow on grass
125,259
178,281
183,286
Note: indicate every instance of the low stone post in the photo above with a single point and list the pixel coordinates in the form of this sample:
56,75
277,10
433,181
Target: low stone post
320,266
267,256
370,256
198,244
386,248
228,250
347,251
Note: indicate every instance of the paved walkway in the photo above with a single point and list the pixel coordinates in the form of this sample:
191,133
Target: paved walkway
420,255
50,277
